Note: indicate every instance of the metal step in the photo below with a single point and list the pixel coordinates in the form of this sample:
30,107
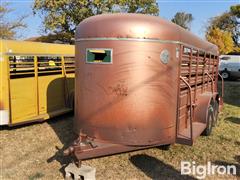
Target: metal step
184,135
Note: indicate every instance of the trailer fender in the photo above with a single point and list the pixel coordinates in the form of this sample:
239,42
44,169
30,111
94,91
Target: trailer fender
202,105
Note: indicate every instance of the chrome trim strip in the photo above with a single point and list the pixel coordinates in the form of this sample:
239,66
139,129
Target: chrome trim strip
143,40
127,39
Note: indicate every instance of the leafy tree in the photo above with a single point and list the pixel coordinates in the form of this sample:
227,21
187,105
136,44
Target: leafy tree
8,28
235,10
58,36
228,21
183,19
222,39
137,6
61,17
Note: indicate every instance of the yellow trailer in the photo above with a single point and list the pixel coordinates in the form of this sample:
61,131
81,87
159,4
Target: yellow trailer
36,81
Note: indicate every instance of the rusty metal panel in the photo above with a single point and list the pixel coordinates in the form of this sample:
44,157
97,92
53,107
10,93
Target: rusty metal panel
131,101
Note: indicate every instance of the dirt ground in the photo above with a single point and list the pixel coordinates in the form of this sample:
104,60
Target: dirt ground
35,151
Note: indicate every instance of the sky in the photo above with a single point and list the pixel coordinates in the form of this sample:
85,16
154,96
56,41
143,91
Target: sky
202,11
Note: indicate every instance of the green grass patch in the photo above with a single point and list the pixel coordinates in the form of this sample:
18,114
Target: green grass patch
37,175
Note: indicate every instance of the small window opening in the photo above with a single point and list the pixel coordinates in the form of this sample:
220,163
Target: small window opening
102,56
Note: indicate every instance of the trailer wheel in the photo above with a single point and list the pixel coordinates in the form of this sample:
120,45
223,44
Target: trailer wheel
216,111
210,121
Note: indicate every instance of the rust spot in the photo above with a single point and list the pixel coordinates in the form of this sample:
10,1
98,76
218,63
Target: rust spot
119,90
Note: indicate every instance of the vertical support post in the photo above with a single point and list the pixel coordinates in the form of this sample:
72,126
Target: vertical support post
190,67
216,69
196,77
203,72
215,75
9,88
36,81
211,80
179,94
189,79
191,106
213,65
63,66
65,86
222,84
209,65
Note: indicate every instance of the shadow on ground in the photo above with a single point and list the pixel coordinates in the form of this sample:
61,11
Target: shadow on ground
237,165
233,119
156,169
63,128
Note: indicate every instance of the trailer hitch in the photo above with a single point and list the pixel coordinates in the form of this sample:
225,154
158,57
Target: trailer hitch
82,143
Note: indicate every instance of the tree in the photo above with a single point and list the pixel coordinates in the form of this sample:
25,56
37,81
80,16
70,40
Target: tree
183,19
8,28
137,6
222,39
228,21
52,38
62,17
235,10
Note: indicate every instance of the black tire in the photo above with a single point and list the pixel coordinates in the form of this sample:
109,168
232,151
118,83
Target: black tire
215,112
225,75
210,119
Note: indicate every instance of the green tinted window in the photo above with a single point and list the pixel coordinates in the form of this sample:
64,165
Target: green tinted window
99,56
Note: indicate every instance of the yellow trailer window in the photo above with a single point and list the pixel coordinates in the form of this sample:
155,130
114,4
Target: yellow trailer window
21,66
48,65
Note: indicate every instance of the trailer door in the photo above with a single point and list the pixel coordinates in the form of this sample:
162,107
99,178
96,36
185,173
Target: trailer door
23,92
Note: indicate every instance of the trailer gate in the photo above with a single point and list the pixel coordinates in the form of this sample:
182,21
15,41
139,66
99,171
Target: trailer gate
197,75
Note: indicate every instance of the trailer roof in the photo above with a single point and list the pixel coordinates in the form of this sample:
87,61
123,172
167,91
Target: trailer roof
138,26
27,47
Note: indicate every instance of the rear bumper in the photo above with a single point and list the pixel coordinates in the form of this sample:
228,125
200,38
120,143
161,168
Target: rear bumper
89,148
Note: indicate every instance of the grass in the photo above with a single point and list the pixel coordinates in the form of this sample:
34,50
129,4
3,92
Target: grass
36,176
34,151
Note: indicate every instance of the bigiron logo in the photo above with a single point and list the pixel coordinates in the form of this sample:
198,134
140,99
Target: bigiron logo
201,171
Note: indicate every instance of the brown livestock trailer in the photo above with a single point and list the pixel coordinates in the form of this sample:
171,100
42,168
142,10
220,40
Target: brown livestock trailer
141,82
